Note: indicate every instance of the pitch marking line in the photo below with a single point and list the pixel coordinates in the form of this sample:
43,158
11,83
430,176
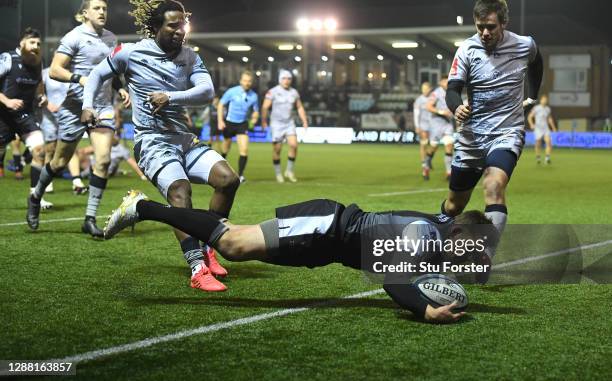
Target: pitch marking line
50,221
198,331
93,355
414,191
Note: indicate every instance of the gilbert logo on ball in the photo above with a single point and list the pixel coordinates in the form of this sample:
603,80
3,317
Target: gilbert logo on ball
440,290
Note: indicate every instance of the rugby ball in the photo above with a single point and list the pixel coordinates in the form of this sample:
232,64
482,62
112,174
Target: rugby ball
440,290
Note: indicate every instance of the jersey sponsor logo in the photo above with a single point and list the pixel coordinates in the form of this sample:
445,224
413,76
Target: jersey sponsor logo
454,66
116,50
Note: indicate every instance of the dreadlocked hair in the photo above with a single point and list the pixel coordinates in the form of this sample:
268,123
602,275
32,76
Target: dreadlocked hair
149,14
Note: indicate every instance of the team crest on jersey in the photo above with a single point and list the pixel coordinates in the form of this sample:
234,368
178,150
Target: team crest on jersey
116,50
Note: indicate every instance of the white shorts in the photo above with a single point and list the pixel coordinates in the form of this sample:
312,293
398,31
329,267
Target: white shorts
166,158
539,133
69,119
441,134
472,149
280,132
49,127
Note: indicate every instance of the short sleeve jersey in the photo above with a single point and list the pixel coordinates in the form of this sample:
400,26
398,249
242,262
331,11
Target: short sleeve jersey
494,81
87,49
283,103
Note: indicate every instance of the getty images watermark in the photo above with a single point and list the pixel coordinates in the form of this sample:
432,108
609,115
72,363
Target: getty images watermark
392,249
523,254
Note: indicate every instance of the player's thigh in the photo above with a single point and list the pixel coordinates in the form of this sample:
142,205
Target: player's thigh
63,153
172,181
204,165
547,140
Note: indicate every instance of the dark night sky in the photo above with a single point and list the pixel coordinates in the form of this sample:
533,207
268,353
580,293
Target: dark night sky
550,16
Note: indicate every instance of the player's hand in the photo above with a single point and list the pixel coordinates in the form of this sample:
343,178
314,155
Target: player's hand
52,107
14,104
42,101
125,98
88,117
462,113
83,81
221,125
528,102
443,314
158,101
305,125
264,124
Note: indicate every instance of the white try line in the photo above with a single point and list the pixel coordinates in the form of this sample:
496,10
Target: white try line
414,191
87,356
93,355
49,221
553,254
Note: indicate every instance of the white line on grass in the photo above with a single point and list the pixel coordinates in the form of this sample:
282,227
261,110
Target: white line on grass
553,254
414,191
87,356
93,355
49,221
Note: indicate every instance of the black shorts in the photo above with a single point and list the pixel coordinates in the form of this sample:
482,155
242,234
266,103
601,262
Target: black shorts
233,129
308,234
12,124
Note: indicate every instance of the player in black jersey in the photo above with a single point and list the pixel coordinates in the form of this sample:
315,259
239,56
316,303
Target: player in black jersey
20,90
313,234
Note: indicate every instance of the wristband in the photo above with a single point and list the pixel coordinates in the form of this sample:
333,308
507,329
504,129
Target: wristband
529,101
75,78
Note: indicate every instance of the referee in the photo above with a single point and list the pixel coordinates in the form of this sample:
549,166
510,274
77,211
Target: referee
239,100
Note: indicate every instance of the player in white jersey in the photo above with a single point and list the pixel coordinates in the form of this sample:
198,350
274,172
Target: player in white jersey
422,119
440,128
79,51
163,77
283,99
540,120
493,65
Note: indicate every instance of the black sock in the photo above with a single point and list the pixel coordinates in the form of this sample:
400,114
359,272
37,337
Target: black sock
242,161
34,175
224,155
199,224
